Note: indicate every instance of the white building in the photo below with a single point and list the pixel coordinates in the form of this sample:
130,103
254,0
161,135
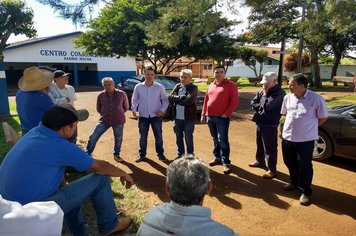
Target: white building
59,52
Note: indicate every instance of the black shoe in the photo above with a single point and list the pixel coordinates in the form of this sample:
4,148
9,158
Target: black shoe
289,187
216,161
257,165
140,158
117,158
162,158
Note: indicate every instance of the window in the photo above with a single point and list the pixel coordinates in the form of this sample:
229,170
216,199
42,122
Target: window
208,67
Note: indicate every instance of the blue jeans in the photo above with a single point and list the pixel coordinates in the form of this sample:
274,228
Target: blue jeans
72,196
298,158
184,129
99,130
266,140
143,126
219,130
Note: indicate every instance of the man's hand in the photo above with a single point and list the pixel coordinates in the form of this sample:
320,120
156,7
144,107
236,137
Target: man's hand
159,113
134,114
126,181
203,119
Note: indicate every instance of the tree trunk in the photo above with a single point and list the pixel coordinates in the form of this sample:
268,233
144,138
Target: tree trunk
315,67
336,62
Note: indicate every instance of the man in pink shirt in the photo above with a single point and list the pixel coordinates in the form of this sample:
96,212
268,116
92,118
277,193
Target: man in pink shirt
304,111
220,101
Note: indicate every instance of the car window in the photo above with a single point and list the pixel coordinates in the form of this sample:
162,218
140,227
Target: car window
131,83
167,82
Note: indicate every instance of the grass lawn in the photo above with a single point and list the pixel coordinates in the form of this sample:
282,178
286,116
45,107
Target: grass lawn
14,121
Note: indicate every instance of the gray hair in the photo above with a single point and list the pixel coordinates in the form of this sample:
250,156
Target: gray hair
187,179
105,79
186,71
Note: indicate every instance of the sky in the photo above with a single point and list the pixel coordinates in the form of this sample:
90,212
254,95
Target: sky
49,23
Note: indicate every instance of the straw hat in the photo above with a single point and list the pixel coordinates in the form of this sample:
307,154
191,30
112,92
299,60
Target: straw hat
34,79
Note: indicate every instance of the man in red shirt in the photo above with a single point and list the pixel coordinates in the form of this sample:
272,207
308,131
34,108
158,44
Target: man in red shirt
111,105
220,101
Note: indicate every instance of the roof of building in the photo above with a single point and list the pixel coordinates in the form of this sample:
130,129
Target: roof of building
32,41
268,49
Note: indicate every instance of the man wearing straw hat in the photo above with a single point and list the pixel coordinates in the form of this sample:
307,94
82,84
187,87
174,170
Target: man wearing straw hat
32,99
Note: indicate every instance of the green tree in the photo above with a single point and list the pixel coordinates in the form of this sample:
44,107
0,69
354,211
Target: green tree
15,18
250,56
190,29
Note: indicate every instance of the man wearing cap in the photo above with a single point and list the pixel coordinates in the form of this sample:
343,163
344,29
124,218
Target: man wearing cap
61,80
267,106
33,171
111,104
32,99
54,91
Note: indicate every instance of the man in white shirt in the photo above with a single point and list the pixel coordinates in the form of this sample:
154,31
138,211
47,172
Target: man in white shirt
64,93
187,183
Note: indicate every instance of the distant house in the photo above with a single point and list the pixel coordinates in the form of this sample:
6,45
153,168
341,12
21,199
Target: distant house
271,63
200,68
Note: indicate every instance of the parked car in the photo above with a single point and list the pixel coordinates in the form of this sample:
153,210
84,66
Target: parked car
337,135
169,82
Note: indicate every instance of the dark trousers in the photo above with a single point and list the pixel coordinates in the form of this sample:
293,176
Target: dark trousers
143,126
298,158
266,140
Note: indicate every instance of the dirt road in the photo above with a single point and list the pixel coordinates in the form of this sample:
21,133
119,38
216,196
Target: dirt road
244,200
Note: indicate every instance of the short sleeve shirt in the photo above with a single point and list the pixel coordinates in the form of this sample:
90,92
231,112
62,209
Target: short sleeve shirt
32,170
302,116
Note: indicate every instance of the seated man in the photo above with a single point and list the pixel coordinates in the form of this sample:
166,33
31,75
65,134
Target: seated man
187,183
33,171
35,218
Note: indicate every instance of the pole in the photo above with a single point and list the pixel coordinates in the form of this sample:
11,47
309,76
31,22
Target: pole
300,48
4,101
281,58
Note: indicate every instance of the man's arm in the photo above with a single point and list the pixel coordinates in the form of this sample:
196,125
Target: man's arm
164,99
102,167
98,104
125,102
321,120
255,102
190,98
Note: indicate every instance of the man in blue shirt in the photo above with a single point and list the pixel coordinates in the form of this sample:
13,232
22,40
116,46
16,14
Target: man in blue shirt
33,170
151,100
32,99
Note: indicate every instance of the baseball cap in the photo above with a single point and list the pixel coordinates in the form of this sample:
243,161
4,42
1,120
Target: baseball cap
268,76
59,73
81,114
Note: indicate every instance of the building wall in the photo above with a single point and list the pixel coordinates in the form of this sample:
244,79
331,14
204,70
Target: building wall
60,53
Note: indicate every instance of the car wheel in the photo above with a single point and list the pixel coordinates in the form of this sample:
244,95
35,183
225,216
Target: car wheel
323,148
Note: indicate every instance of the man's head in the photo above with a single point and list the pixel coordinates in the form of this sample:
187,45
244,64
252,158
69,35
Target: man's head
108,84
298,84
35,79
149,74
63,119
61,78
269,80
186,76
188,181
219,72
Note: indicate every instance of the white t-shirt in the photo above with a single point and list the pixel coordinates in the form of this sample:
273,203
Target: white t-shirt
69,92
35,218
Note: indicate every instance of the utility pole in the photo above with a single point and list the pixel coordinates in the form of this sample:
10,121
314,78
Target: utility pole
281,58
300,48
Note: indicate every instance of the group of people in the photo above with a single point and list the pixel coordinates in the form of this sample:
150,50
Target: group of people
33,170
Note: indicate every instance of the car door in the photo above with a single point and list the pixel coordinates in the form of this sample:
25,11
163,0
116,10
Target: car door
347,138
